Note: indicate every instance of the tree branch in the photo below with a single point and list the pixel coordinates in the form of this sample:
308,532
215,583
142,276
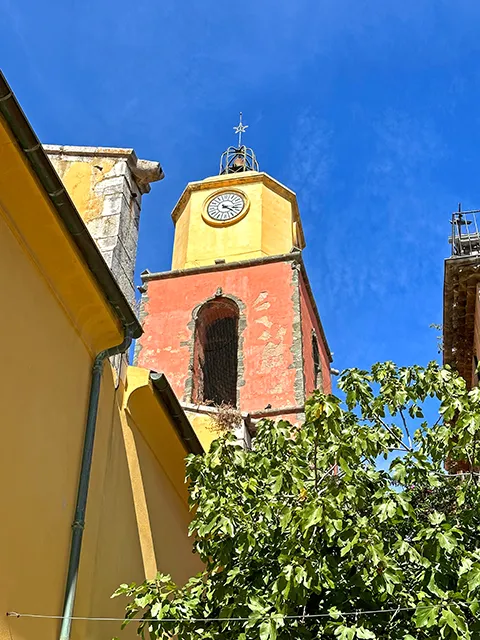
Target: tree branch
315,447
327,473
392,433
405,426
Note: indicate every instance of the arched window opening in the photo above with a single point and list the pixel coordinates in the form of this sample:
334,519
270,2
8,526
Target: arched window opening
317,363
216,353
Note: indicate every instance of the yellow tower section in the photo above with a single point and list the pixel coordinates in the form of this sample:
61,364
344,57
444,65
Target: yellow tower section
234,217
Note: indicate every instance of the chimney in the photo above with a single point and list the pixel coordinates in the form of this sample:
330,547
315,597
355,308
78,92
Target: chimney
107,185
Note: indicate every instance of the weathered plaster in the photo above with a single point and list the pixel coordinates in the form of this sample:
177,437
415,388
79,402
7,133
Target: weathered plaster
266,374
311,324
106,186
297,342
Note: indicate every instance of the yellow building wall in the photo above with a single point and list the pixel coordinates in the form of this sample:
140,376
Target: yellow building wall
204,427
267,228
138,522
181,241
31,218
206,243
277,223
44,384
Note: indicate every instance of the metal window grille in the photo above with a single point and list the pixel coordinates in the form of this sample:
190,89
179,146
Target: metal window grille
216,354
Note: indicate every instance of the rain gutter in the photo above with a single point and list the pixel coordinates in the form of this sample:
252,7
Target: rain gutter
83,484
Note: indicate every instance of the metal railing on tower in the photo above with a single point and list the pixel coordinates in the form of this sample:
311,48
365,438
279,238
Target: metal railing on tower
465,238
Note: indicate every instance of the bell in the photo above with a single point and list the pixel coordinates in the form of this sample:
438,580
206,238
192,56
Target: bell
238,163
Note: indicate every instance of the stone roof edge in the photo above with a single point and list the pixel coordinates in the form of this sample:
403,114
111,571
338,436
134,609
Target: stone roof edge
222,266
74,150
145,171
176,412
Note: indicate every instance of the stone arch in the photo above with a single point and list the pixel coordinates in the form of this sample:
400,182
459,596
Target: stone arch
216,370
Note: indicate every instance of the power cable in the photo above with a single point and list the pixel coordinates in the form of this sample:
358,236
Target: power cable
311,616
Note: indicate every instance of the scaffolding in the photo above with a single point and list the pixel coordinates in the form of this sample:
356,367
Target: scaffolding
465,238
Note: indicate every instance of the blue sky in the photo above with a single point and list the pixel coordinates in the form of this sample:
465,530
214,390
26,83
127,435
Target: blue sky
369,110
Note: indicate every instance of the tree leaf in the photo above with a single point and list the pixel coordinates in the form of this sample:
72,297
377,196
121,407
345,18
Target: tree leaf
268,630
365,633
312,515
277,485
473,578
345,633
446,541
426,616
275,541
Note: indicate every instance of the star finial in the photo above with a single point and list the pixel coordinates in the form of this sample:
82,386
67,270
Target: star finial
241,128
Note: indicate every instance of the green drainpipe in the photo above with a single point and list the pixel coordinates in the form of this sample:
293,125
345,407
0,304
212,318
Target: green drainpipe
82,492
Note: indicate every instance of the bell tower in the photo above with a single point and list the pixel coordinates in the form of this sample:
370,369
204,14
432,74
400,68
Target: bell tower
234,322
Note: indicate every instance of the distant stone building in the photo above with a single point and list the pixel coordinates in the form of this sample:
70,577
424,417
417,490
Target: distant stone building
461,298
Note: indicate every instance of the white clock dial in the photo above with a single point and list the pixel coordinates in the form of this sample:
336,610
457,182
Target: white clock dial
226,206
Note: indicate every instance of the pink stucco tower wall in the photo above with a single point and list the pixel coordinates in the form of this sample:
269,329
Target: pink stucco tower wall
278,322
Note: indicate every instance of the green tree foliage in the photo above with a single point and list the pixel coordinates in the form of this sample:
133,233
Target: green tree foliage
307,533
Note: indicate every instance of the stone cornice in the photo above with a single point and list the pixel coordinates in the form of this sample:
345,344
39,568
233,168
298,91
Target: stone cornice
144,171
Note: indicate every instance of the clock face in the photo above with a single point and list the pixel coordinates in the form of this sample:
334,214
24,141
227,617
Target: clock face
226,206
